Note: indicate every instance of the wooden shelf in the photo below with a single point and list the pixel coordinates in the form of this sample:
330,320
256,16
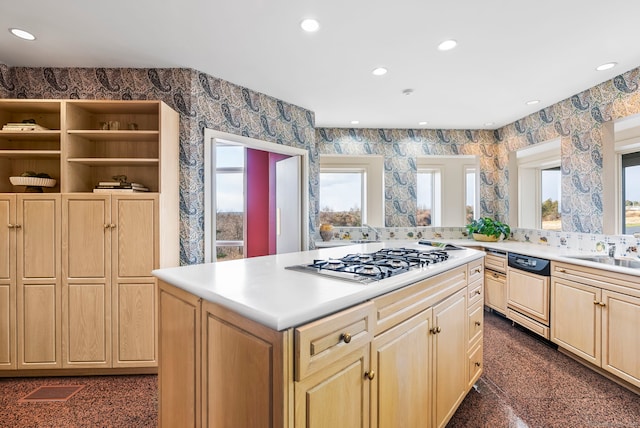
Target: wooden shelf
115,161
26,154
124,135
30,135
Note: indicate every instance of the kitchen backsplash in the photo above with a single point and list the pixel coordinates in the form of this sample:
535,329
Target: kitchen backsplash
625,245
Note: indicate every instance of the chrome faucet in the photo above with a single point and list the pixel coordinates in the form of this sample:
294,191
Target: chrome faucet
612,250
373,229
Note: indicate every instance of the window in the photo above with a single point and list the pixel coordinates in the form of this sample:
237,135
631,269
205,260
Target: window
229,238
351,190
428,197
446,189
631,193
539,184
341,197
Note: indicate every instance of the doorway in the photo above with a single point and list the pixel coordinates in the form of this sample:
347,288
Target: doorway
255,202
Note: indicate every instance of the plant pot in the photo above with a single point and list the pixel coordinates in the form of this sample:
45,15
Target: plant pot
484,238
326,235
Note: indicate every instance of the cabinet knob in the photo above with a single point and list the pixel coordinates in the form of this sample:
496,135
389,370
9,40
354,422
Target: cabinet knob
112,226
18,226
602,303
478,270
435,330
11,226
495,275
595,302
107,226
478,292
370,374
477,364
346,337
478,323
562,270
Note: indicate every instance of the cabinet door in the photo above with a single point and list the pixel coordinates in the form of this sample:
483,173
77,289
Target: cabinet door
529,294
401,388
450,355
38,281
576,318
86,287
134,256
7,283
620,338
495,293
335,396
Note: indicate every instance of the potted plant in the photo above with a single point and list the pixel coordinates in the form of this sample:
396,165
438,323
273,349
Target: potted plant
488,229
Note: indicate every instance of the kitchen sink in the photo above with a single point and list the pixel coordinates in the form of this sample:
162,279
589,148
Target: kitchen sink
634,264
363,241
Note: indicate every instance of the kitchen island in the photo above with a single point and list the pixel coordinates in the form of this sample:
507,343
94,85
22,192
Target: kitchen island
251,343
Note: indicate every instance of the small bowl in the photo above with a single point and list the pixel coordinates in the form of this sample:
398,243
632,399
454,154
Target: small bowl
32,181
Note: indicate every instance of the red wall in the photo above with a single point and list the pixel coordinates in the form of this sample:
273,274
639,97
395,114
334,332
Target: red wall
261,202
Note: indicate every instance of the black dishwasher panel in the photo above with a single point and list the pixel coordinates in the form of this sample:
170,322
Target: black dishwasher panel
530,264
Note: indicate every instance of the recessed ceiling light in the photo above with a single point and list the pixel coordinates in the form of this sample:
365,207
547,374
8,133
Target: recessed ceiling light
532,102
407,92
380,71
447,45
22,34
607,66
355,122
422,123
310,25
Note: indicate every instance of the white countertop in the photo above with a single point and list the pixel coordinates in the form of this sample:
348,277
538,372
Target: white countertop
261,289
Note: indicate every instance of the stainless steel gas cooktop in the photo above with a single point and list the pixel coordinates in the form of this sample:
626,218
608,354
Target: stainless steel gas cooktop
369,267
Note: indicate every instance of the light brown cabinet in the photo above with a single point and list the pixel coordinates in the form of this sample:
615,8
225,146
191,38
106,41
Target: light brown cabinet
594,316
85,297
110,248
401,359
30,282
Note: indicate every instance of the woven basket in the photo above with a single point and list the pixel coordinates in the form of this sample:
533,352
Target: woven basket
32,181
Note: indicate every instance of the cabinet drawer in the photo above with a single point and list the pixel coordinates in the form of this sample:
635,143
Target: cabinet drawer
475,364
496,263
476,270
324,341
476,323
476,291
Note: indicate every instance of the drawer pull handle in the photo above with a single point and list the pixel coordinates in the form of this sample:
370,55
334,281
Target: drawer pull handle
478,323
478,270
477,364
346,337
562,270
370,374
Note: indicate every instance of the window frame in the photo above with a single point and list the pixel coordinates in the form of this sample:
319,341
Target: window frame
450,208
373,182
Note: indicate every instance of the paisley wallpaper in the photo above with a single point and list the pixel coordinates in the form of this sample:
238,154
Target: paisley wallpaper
400,147
201,100
204,101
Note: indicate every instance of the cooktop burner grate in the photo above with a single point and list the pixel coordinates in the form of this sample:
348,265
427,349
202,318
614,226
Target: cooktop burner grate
375,266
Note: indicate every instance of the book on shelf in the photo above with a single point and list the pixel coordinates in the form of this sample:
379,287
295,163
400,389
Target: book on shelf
20,126
119,189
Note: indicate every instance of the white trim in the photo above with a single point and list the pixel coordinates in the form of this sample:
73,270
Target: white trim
211,138
373,183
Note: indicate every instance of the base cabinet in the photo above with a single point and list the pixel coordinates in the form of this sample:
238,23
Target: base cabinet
402,359
109,250
594,319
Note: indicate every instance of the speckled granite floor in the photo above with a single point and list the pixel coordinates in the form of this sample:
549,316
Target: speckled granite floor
527,383
105,401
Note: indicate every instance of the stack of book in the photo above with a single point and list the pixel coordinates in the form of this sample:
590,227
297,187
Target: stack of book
23,126
119,186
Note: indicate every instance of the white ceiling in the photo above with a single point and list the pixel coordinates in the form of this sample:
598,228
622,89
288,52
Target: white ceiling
509,51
